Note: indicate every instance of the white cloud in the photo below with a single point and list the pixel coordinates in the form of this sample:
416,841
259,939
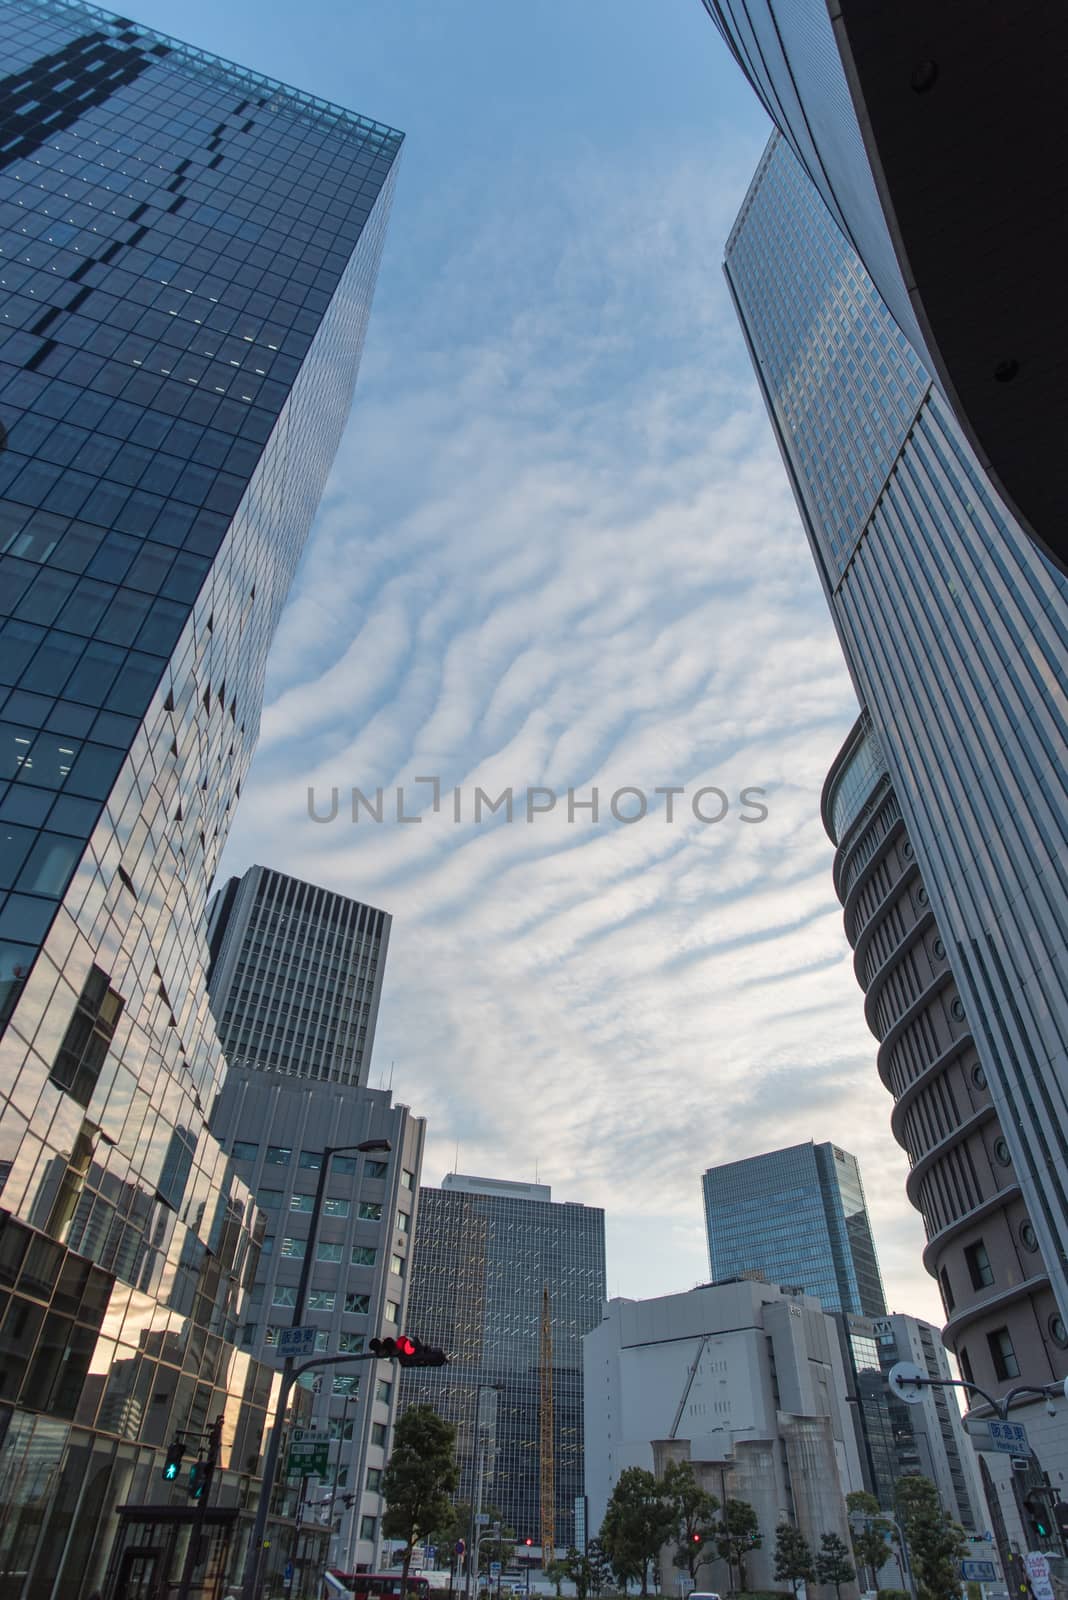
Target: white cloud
560,549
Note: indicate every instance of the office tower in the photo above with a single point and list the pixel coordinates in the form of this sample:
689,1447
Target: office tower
797,1216
295,976
189,254
930,1437
954,629
887,108
484,1253
276,1130
980,1240
743,1380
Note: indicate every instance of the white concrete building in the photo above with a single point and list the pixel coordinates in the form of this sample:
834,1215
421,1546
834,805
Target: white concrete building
743,1379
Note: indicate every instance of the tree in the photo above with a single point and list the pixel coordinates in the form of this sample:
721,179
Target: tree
577,1567
693,1512
833,1564
556,1572
738,1532
418,1480
637,1522
600,1567
936,1543
875,1537
793,1558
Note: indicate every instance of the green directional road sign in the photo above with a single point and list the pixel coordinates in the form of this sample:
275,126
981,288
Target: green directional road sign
308,1459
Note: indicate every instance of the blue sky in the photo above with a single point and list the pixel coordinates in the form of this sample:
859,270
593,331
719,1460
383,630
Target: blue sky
558,549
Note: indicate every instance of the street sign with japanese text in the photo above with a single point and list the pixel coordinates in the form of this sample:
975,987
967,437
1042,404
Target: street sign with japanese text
1008,1438
978,1571
308,1459
297,1342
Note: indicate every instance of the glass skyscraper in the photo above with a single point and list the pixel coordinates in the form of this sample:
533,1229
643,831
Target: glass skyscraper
188,256
485,1250
955,630
886,108
296,976
797,1216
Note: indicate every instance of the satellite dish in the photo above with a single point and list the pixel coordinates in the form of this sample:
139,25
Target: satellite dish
906,1382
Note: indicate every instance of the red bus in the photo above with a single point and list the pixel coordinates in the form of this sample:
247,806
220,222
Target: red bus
373,1586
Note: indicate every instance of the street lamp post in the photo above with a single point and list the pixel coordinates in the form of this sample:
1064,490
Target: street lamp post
480,1448
337,1473
254,1558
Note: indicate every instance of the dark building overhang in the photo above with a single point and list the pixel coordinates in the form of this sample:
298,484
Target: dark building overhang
961,105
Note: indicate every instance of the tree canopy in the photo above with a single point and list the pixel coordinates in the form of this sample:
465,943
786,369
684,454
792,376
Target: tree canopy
738,1532
833,1564
793,1558
419,1479
637,1523
693,1512
936,1543
875,1537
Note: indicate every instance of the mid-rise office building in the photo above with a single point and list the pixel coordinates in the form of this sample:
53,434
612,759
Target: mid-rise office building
930,1437
954,628
486,1250
887,109
743,1380
276,1130
189,251
797,1216
296,976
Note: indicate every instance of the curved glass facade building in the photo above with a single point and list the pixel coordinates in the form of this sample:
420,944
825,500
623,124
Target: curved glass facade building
887,110
955,631
187,256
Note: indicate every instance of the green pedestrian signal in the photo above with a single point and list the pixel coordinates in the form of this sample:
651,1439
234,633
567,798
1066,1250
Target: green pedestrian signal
198,1480
172,1464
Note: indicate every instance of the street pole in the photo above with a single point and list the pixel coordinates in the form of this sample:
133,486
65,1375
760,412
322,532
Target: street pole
250,1588
476,1532
337,1475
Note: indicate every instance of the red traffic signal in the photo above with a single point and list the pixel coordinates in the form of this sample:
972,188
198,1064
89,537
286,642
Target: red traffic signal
528,1541
407,1352
696,1537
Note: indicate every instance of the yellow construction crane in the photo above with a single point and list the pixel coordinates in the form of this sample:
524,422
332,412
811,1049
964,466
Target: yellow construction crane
547,1456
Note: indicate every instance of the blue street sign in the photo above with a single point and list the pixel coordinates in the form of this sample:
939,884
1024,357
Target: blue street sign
296,1342
978,1571
288,1573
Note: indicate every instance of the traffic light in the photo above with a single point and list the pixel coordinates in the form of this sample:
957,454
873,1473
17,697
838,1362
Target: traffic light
1038,1511
199,1477
407,1352
528,1541
172,1464
695,1538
